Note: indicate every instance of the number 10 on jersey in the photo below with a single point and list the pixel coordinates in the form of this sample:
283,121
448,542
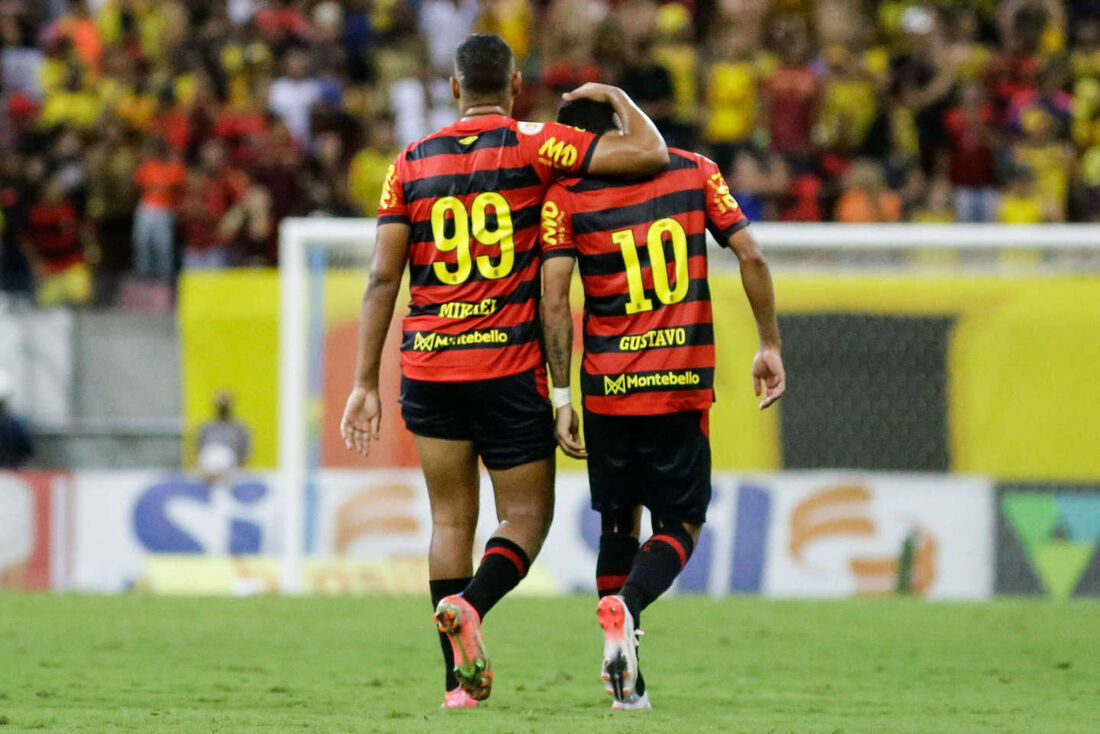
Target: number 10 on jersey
658,266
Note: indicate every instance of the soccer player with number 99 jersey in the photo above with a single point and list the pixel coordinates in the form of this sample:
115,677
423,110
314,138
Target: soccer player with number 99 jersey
648,371
461,209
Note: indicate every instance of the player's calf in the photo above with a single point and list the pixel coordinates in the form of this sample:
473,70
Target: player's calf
618,547
658,563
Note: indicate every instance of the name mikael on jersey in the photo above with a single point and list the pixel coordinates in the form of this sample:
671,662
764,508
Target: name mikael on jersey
465,310
641,250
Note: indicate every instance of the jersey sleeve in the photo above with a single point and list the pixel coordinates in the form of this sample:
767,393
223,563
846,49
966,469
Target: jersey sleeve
557,232
556,150
391,207
724,215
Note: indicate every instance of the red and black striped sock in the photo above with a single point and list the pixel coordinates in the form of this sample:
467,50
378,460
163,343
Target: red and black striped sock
656,566
441,588
502,567
613,562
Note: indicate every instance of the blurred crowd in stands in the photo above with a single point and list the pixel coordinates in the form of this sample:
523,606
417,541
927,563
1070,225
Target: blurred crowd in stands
142,136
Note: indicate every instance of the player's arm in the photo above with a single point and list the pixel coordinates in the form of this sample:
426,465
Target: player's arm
363,413
558,257
557,330
730,227
362,421
768,376
637,150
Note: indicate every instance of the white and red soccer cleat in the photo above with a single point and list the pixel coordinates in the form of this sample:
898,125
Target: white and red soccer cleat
620,655
635,703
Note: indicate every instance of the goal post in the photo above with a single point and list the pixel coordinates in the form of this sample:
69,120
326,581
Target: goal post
304,249
311,248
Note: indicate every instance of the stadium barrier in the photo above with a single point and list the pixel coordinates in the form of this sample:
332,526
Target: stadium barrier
937,371
791,534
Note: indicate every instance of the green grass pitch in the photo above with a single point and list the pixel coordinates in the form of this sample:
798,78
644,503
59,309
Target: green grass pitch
137,663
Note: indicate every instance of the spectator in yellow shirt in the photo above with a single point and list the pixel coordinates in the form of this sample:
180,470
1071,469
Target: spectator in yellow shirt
1048,158
675,50
368,167
848,107
1022,203
74,104
731,89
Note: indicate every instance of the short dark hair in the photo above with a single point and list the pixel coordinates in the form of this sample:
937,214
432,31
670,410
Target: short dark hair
483,63
587,114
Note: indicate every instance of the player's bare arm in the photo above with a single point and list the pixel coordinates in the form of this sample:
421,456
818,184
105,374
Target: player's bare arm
557,329
362,421
637,149
768,378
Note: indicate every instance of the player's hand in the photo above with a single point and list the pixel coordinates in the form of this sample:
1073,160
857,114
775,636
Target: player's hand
591,90
768,377
567,432
362,421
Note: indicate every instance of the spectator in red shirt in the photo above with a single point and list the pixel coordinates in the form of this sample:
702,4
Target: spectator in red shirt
971,162
282,21
160,178
791,94
212,190
53,243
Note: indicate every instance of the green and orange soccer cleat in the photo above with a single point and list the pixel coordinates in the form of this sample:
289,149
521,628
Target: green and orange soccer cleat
462,625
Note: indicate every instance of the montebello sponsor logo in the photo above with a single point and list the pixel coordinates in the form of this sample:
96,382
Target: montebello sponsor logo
655,339
625,383
462,310
430,341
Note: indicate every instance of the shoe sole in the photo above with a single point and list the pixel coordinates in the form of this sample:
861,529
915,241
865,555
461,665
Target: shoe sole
617,674
472,668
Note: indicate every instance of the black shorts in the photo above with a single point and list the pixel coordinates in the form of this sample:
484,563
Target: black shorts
659,461
509,419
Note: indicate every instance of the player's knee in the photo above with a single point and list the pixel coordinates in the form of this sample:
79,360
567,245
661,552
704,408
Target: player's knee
685,534
532,512
458,523
623,521
693,530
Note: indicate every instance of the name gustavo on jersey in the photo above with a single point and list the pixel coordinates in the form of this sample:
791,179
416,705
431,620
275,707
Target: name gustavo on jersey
655,339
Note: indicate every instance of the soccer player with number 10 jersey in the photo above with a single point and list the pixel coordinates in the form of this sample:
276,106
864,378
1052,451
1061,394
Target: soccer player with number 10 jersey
648,371
461,209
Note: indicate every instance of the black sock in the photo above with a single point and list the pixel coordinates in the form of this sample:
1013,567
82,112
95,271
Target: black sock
441,588
656,566
502,567
617,551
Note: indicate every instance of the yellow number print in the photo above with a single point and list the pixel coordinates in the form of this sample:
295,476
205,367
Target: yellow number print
459,240
665,292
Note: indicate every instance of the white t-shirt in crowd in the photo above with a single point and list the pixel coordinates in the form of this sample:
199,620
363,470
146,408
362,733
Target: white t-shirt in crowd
291,100
445,24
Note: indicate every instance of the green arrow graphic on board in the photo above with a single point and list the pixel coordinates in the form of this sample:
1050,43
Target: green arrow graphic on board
1060,566
1058,563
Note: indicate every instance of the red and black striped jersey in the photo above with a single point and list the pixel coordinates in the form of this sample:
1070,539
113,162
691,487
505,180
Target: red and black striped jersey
471,195
641,248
